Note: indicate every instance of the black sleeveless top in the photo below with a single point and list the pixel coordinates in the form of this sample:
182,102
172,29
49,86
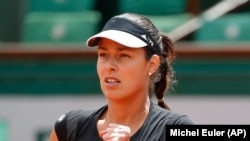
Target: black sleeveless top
81,125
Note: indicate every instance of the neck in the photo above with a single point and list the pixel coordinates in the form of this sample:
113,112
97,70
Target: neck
127,115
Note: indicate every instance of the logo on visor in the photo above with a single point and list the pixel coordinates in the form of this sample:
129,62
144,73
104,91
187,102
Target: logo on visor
148,39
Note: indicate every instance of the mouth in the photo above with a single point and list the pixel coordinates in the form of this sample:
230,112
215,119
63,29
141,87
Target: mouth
112,81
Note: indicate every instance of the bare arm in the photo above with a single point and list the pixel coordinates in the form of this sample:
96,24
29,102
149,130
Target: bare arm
53,136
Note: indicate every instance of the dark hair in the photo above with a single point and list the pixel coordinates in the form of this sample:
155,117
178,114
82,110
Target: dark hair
165,72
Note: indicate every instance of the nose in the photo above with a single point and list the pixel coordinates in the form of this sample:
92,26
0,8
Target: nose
111,65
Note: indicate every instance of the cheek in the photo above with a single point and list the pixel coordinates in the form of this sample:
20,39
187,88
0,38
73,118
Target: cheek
99,68
135,79
136,72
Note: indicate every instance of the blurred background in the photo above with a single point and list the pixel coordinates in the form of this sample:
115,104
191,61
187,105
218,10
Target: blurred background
46,70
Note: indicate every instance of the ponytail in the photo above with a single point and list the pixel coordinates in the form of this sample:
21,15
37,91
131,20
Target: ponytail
165,71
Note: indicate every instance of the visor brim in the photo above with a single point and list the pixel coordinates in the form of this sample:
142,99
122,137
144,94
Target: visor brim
120,37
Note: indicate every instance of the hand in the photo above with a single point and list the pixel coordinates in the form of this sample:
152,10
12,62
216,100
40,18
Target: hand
116,132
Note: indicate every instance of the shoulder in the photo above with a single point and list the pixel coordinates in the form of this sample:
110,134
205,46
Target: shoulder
67,123
171,117
180,119
74,114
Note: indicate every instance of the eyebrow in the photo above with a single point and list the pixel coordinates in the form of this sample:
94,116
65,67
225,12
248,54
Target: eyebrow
102,48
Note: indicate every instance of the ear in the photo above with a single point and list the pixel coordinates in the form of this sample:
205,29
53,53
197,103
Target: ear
154,63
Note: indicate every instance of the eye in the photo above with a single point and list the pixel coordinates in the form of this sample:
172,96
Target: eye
102,54
124,55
